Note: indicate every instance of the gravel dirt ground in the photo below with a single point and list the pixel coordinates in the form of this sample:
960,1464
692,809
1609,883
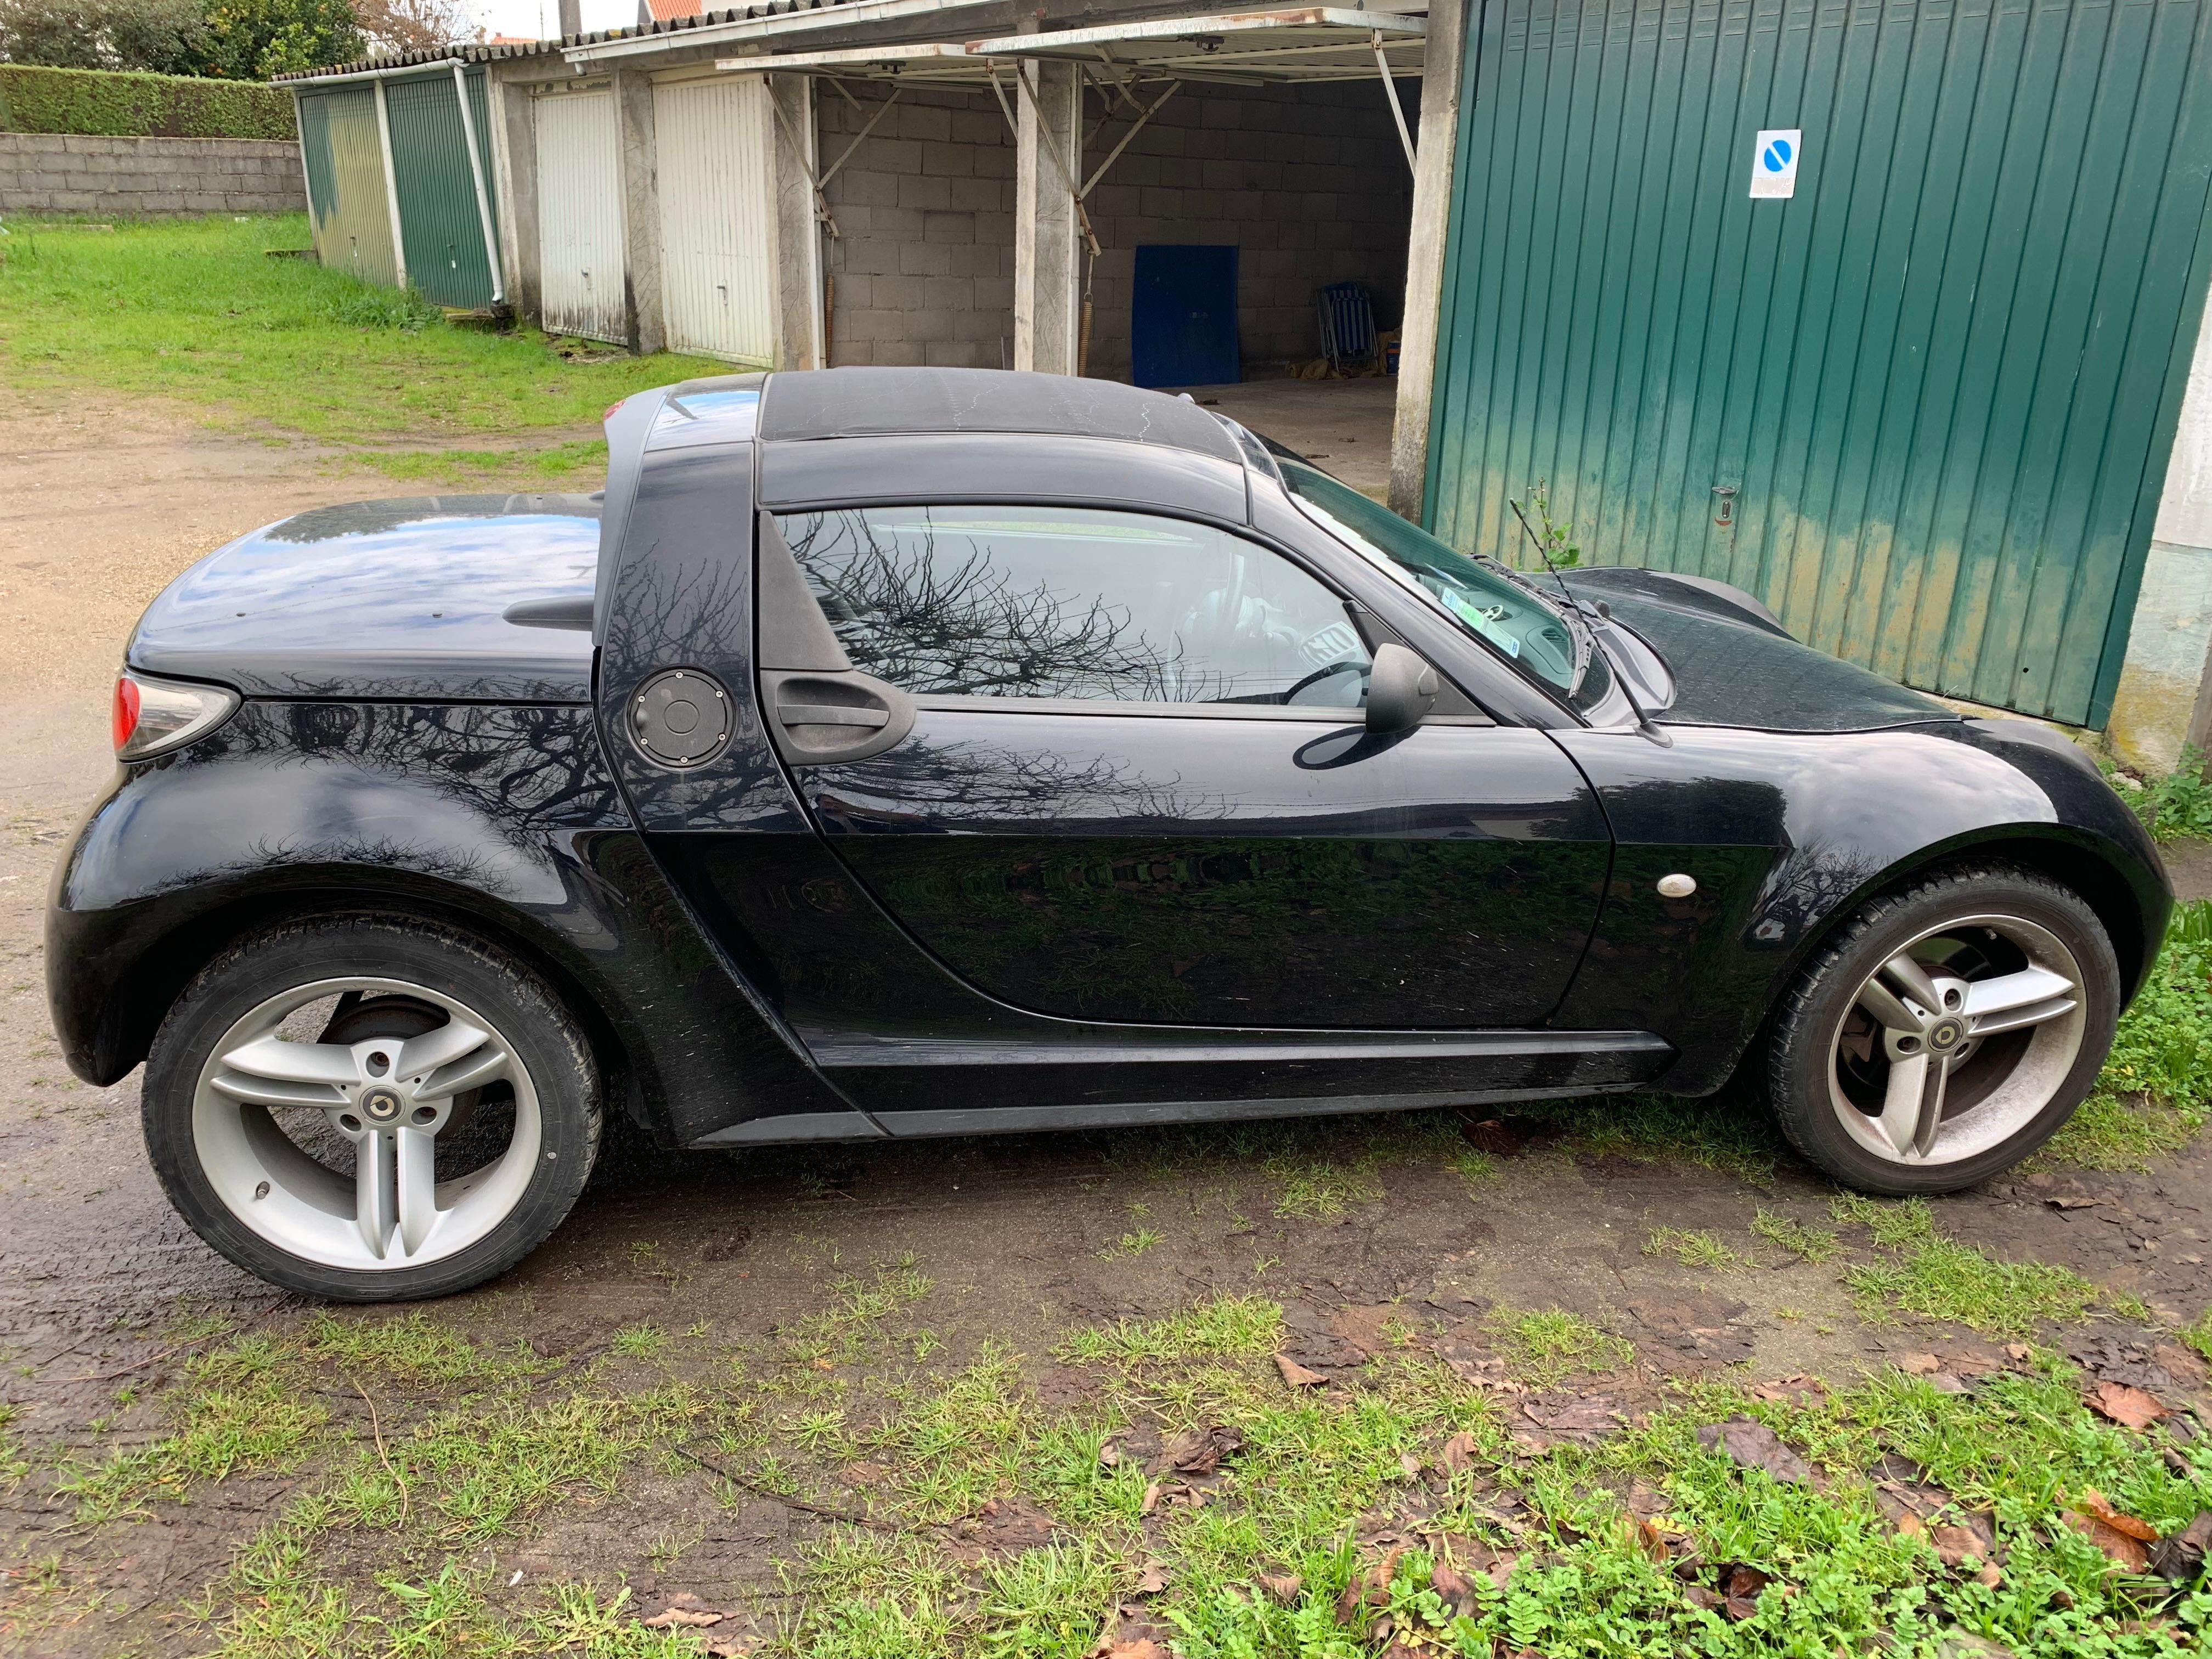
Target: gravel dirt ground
103,1292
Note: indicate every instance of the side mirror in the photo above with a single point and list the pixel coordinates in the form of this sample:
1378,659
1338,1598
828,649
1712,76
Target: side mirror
1400,689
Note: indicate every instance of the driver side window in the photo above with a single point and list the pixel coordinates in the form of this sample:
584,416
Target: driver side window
1067,602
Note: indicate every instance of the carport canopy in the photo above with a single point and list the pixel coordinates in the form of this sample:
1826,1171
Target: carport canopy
1248,48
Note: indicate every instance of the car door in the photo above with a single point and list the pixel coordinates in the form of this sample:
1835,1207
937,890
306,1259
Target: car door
1136,785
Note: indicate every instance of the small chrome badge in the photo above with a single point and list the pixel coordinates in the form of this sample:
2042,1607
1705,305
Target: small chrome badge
1677,886
382,1104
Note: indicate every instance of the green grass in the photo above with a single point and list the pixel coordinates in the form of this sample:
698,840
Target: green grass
1130,1243
2155,1092
239,1411
556,464
2180,803
1806,1243
393,1542
192,309
1920,1270
1226,1325
1547,1346
1698,1249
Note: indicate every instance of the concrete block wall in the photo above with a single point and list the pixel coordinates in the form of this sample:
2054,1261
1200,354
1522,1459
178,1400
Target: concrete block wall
923,271
133,178
1311,182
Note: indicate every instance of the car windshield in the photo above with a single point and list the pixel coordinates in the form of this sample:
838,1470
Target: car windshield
1485,597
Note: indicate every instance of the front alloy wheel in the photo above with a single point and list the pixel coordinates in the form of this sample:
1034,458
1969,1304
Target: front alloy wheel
371,1108
1958,1041
1946,1031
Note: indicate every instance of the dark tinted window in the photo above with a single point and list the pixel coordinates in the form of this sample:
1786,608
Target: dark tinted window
1075,602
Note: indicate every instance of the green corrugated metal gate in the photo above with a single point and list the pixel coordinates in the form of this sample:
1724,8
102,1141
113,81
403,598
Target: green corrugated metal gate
346,202
1941,379
440,229
447,258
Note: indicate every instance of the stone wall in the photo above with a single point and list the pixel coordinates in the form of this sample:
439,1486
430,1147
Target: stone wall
923,269
43,173
1309,182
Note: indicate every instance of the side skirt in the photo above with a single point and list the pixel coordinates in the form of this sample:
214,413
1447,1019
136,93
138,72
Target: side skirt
1103,1076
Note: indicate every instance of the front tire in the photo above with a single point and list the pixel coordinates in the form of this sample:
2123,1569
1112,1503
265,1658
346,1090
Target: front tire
1945,1032
366,1109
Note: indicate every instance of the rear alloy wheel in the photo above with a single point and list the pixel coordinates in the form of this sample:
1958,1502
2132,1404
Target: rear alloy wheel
370,1110
1949,1032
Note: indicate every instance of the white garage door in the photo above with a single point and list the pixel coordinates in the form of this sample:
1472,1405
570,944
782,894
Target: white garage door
711,140
579,223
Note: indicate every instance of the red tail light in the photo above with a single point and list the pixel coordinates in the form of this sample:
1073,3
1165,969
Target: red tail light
153,716
125,718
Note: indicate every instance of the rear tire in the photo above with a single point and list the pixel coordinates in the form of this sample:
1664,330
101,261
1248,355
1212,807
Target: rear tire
369,1110
1890,1096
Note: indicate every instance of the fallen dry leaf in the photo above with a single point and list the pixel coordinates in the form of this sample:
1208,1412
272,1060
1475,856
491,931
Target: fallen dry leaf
1151,1500
2180,1559
675,1618
1475,1556
1459,1452
1370,1589
1296,1375
1283,1587
1409,1466
1152,1580
1456,1588
2130,1408
1920,1364
2128,1552
1751,1445
2019,1352
2095,1504
1954,1544
1595,1414
1143,1648
1199,1450
1740,1586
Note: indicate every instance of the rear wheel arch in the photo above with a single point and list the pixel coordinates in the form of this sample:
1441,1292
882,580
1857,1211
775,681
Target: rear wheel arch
142,999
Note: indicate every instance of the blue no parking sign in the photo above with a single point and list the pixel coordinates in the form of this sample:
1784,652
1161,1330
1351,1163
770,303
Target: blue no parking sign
1774,161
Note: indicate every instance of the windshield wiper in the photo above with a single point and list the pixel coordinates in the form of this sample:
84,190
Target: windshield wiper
1578,628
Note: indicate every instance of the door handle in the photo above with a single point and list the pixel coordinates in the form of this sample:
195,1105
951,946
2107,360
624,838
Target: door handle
821,717
829,713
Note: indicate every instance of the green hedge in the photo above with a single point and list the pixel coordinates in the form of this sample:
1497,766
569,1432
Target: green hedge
131,106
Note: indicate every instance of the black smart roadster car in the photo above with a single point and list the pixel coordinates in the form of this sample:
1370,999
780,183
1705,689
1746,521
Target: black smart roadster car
930,752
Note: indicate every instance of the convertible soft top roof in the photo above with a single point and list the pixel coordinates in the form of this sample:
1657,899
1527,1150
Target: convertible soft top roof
851,402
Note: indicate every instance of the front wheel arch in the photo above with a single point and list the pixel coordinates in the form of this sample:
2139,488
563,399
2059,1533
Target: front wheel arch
2080,866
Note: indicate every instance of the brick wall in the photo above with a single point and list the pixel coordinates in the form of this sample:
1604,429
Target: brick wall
923,269
58,173
1309,182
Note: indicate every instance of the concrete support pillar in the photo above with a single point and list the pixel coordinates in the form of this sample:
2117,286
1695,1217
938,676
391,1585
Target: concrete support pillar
2163,705
1048,270
514,172
640,193
1424,254
799,328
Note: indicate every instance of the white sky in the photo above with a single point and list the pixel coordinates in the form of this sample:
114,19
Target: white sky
543,21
